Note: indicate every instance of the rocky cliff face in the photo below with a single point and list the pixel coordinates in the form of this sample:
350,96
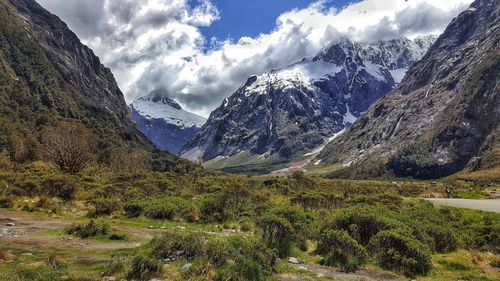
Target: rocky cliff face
164,122
46,74
295,109
445,113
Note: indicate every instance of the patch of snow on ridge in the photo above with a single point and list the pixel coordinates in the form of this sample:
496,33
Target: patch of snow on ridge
398,74
304,73
319,149
374,70
349,118
158,110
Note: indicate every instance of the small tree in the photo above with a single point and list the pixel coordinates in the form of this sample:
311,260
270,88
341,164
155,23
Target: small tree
70,146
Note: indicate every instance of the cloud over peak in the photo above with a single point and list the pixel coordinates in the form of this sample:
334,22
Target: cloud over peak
157,44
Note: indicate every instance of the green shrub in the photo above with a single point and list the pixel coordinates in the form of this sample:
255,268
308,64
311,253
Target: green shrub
361,222
145,268
6,202
171,207
217,251
235,258
251,270
495,262
486,235
443,238
103,207
59,186
400,253
118,237
341,250
281,226
90,229
133,209
247,252
160,210
178,245
212,209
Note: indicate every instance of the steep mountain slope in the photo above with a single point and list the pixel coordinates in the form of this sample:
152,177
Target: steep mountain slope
444,115
47,76
284,113
165,123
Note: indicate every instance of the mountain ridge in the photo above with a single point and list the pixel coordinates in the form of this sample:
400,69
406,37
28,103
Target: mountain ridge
297,108
443,115
48,76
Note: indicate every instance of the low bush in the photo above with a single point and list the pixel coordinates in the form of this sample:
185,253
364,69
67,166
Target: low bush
254,260
400,253
166,208
281,227
212,209
117,237
104,207
59,186
444,240
145,268
361,222
88,230
341,250
486,235
495,262
6,202
133,209
55,262
235,258
178,245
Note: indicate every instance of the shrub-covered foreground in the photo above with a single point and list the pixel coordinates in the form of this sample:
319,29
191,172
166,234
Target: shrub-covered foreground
348,225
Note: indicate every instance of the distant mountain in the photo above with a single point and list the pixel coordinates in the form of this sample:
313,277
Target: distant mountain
285,113
164,122
445,114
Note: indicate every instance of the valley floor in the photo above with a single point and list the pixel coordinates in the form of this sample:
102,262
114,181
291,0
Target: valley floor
28,240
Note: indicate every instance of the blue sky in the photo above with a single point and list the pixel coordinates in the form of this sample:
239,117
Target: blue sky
250,18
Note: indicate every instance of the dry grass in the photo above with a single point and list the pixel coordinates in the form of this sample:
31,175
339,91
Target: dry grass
491,175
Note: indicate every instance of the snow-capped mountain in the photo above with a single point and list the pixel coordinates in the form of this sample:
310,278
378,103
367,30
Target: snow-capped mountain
164,122
297,108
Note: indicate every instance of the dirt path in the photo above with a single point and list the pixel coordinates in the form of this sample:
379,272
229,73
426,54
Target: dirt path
331,272
26,229
31,229
488,205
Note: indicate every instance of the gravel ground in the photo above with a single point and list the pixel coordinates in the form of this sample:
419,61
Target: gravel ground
489,205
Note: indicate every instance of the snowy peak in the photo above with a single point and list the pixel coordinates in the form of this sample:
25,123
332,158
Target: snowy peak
302,74
157,107
381,60
164,122
163,100
396,55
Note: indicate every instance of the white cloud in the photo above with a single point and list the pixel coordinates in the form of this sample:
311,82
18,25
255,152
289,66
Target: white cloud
157,44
